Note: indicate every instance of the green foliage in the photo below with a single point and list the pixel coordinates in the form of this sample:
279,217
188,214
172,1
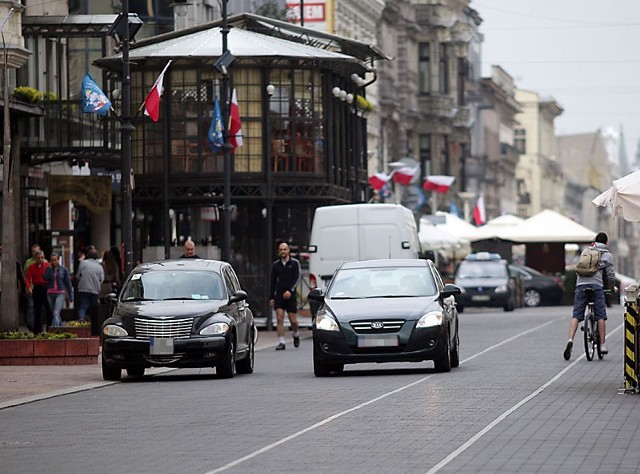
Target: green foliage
27,94
49,96
42,336
271,10
79,324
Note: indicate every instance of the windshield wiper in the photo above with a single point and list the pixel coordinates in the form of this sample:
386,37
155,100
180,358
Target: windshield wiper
137,299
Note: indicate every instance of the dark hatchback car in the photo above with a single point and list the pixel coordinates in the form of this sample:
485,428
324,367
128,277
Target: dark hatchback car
396,310
484,280
179,313
539,288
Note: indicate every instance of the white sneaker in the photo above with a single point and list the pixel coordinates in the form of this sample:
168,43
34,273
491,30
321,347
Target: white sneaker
603,349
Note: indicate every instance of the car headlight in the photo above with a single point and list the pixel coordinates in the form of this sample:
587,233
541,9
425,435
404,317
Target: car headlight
114,331
326,323
215,329
501,289
432,318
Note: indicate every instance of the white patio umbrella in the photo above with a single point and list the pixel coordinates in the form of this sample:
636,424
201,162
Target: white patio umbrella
623,197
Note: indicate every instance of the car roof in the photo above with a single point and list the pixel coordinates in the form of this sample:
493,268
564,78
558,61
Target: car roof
181,264
384,263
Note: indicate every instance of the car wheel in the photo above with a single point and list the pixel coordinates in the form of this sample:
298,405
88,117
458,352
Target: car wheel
135,371
532,298
443,364
226,368
245,366
455,351
460,309
320,369
110,373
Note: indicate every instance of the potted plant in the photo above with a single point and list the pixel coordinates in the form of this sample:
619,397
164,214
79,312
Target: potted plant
20,348
27,94
79,328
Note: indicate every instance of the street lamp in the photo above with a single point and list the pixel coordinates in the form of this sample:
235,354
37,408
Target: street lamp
124,30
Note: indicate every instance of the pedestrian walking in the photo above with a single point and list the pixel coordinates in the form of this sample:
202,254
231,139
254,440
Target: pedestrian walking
59,287
29,303
90,276
285,274
189,249
596,281
37,288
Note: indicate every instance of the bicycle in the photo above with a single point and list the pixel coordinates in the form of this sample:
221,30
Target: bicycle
590,328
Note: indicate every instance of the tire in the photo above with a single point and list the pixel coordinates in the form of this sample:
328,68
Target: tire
532,298
589,334
443,364
455,351
245,366
226,368
110,373
460,309
135,371
320,369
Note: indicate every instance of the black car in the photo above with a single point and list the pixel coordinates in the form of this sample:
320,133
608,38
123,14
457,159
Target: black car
538,288
179,313
484,280
395,310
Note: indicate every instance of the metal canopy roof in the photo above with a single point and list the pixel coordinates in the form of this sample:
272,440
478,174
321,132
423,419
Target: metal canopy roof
250,37
71,25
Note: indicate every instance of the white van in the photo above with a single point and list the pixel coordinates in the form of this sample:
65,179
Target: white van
351,232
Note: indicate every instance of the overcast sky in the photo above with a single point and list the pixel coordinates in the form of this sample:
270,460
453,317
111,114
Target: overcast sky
583,53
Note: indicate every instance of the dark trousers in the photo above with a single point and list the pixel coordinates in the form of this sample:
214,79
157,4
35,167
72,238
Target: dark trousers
41,309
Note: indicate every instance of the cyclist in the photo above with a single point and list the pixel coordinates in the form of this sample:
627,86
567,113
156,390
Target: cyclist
597,282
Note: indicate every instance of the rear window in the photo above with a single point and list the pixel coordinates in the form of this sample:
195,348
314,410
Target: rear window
482,270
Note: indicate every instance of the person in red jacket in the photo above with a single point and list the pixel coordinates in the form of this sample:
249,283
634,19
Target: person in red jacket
37,287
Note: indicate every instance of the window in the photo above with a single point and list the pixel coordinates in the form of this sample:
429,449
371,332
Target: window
443,72
424,143
520,140
424,77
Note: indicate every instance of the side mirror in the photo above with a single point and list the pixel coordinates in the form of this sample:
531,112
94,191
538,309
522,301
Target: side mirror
316,295
111,298
239,295
450,290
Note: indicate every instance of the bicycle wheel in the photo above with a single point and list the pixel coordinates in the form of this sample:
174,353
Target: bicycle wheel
589,334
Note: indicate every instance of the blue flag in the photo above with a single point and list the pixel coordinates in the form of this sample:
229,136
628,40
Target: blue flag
453,209
93,99
216,139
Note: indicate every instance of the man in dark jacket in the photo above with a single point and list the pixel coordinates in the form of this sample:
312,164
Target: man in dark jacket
285,274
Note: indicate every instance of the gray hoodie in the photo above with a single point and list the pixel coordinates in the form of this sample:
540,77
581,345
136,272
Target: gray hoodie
606,264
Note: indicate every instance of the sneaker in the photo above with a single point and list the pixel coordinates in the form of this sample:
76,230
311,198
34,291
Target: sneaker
280,347
567,351
296,341
603,349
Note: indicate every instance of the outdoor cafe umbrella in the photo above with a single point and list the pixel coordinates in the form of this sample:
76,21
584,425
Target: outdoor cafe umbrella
623,197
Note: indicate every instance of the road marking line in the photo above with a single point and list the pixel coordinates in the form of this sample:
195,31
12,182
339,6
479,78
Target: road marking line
505,414
362,405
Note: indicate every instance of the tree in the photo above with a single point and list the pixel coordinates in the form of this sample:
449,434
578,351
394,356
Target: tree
273,9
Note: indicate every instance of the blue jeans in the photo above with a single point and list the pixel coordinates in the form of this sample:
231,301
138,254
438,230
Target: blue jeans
85,302
580,302
56,302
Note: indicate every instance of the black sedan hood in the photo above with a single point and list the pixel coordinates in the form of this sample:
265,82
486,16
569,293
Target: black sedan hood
172,309
408,308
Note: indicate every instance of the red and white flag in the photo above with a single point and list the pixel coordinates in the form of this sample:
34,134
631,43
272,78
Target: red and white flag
405,175
235,126
438,183
378,180
479,214
152,102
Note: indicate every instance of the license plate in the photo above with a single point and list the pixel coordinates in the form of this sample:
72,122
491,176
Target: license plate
160,346
378,341
480,298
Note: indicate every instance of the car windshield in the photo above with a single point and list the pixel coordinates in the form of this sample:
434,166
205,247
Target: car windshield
170,285
482,270
396,282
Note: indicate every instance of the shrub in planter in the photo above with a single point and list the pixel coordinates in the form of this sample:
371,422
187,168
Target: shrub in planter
27,94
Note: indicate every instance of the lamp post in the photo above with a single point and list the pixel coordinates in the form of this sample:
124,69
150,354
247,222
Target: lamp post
124,29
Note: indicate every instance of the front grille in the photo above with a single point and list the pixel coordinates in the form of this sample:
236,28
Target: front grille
174,328
368,327
164,360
